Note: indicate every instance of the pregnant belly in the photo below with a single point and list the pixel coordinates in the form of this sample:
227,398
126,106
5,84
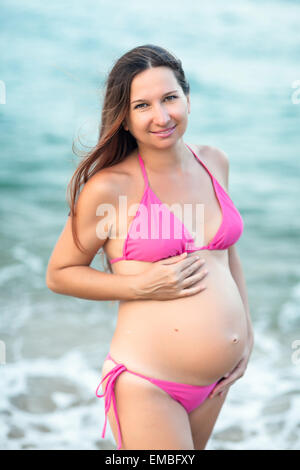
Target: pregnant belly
193,340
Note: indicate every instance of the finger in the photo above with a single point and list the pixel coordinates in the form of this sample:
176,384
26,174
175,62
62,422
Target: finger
190,265
188,271
222,387
192,290
218,388
217,392
191,280
173,259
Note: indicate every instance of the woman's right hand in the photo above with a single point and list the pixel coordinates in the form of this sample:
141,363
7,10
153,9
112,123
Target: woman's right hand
172,278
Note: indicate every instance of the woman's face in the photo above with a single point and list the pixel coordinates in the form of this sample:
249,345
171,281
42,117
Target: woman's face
162,105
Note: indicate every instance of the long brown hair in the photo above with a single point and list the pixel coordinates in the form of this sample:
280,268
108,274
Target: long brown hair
114,143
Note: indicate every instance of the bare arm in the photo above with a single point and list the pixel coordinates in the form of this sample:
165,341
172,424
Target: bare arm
69,271
89,283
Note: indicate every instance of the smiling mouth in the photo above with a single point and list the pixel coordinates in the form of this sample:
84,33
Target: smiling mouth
164,131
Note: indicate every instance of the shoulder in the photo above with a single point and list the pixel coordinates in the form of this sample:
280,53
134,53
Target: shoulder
101,188
106,185
217,161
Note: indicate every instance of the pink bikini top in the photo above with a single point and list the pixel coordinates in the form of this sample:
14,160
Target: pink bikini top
147,248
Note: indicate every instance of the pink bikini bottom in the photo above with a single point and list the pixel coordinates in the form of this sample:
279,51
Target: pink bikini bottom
190,396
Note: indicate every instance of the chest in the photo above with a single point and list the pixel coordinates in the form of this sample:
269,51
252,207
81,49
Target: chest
192,198
186,190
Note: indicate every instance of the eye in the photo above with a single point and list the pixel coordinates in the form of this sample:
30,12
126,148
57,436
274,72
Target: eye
138,105
171,96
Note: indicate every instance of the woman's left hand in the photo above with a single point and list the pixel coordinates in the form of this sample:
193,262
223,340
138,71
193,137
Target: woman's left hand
235,374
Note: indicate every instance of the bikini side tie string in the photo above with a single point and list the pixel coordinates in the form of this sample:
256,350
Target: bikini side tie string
109,394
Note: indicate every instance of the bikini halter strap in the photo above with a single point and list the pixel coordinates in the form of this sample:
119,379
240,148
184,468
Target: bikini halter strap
143,170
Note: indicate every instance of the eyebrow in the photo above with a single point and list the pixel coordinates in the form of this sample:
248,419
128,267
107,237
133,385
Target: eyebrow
173,91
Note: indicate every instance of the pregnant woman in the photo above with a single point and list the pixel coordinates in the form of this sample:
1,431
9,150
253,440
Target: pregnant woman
183,333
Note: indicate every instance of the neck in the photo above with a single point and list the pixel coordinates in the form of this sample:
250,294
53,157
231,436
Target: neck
176,158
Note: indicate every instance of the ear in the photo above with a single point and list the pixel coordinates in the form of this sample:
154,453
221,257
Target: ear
125,125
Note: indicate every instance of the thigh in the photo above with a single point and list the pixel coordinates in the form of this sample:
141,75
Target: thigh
149,418
203,419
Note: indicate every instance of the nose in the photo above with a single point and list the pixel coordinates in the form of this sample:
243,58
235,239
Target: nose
161,116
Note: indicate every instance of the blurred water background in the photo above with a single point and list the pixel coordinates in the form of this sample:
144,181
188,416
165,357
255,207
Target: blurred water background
242,61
